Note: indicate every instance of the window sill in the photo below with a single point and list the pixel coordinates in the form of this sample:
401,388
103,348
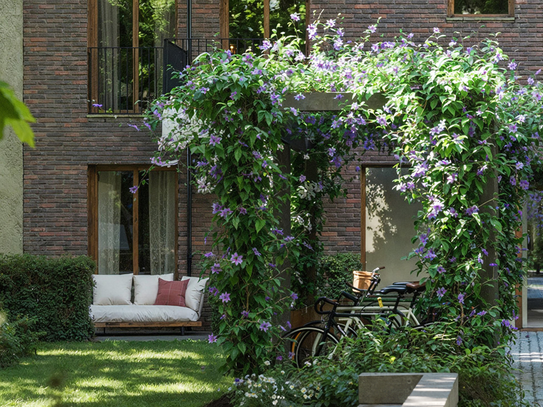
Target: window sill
475,17
114,115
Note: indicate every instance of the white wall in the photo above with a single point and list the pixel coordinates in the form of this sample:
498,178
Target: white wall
389,227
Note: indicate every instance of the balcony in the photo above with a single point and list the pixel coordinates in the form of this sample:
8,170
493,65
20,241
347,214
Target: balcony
125,80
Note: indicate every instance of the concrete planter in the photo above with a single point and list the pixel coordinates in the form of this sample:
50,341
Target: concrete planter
408,389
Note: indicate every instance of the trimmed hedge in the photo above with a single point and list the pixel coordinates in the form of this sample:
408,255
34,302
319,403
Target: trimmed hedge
56,292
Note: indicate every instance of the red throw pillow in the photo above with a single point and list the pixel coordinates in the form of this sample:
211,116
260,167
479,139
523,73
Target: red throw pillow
171,292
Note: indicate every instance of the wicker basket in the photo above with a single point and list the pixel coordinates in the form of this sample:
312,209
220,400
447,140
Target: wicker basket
362,279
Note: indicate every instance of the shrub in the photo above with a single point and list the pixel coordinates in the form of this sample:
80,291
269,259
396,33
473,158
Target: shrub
333,271
485,373
56,293
17,339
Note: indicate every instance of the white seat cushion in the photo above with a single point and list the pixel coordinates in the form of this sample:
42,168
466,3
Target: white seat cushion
146,288
195,292
142,313
112,289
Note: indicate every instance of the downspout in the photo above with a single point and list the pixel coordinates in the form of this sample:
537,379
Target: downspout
189,214
189,156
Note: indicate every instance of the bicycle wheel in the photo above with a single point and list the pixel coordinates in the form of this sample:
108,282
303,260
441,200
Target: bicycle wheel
308,341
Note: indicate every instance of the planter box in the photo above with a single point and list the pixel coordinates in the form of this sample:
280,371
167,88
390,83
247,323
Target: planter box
408,389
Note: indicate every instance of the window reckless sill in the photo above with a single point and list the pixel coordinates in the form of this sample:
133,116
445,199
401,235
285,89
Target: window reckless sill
476,17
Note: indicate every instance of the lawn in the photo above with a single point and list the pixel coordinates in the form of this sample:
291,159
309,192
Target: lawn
116,373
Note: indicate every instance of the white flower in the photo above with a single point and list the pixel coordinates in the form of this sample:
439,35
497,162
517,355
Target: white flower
267,362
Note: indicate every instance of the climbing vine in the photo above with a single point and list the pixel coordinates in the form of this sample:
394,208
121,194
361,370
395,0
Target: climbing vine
456,116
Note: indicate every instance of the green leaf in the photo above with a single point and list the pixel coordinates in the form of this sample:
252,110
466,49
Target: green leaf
496,223
260,223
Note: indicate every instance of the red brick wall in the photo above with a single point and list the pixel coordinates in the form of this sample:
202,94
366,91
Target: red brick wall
520,38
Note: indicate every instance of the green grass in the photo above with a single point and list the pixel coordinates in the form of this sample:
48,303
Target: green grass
116,373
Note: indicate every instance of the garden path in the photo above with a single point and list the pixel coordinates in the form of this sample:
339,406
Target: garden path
528,356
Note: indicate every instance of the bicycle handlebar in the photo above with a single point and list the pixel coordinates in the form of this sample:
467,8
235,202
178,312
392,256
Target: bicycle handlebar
319,304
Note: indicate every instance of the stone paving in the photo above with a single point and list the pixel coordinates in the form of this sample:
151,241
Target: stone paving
528,356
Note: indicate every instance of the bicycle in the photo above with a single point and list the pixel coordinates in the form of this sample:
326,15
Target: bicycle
313,340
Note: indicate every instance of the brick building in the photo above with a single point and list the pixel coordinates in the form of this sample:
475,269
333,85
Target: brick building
80,82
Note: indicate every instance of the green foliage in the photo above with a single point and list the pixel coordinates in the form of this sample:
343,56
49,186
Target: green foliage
14,113
334,271
485,374
17,339
56,293
455,116
481,6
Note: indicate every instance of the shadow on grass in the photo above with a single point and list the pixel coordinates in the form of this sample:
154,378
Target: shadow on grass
116,373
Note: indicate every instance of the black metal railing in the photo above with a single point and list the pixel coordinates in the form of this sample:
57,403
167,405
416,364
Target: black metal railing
125,80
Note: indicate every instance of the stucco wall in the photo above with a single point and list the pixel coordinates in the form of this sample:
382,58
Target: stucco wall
389,227
11,150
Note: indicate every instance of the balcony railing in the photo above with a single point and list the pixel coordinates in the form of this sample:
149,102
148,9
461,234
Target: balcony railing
125,80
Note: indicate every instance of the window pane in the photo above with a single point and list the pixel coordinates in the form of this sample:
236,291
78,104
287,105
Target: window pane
481,6
115,222
161,213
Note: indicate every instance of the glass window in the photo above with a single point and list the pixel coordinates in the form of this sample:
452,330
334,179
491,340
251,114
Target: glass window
136,232
475,7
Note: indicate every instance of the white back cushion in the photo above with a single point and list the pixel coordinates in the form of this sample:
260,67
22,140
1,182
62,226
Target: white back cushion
194,295
146,288
112,289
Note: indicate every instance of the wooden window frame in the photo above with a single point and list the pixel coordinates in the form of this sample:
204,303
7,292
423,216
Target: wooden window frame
92,210
510,13
92,43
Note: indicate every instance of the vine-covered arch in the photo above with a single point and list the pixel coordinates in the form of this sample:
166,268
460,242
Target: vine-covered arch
455,115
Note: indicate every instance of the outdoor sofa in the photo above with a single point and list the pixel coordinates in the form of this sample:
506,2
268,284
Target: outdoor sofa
147,301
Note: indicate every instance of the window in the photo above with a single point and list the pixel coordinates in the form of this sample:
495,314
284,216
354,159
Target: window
255,19
481,7
125,52
132,232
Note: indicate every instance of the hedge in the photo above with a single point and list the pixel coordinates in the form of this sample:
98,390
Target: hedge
56,292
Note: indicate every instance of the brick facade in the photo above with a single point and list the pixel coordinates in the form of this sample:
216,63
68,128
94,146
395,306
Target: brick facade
68,140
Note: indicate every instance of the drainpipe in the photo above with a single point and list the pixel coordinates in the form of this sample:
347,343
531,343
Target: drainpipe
189,156
189,214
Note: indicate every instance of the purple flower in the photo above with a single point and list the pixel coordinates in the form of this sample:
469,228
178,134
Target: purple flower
295,17
453,212
512,66
294,296
451,178
441,292
513,181
265,45
216,268
311,31
461,298
472,210
493,265
485,252
244,314
96,105
214,140
452,259
441,270
212,338
279,357
513,128
382,121
256,252
482,313
459,340
242,211
436,30
372,28
264,326
299,96
209,254
224,297
133,189
237,259
430,255
524,184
